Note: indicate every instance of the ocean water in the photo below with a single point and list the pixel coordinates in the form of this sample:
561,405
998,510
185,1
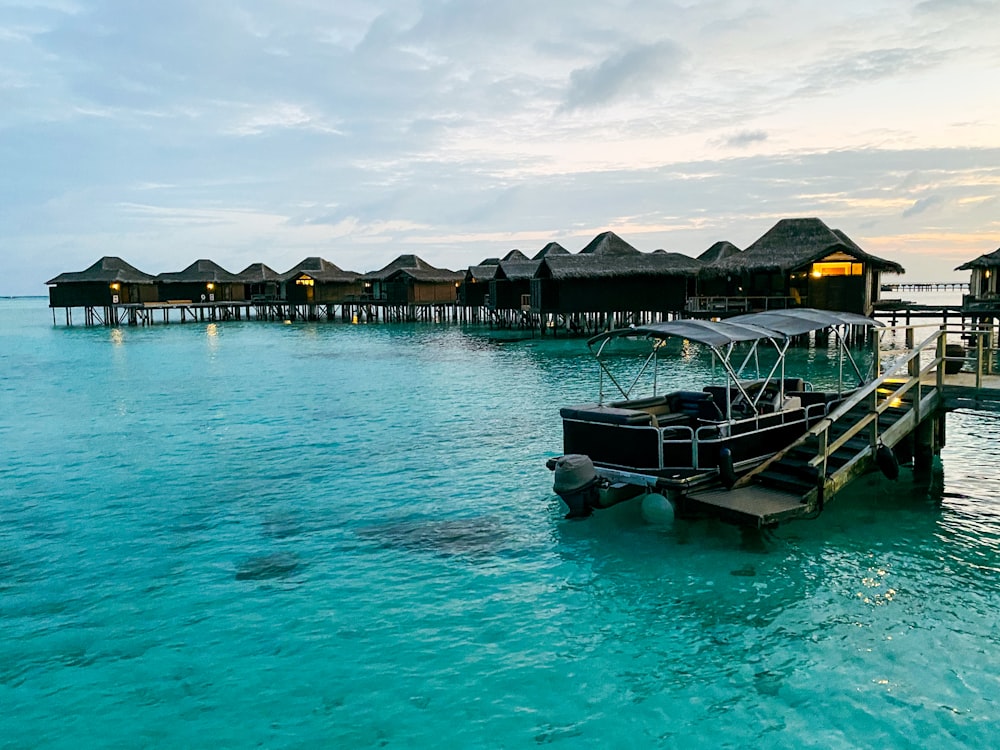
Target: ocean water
326,535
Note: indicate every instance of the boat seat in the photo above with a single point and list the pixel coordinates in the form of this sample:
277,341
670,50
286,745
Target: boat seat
606,414
640,403
686,402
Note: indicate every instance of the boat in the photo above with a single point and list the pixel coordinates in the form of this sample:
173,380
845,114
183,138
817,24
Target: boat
677,442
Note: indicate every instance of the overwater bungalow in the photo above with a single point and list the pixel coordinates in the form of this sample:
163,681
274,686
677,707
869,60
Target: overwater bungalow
798,262
317,281
409,280
713,286
611,276
202,281
109,281
261,283
510,287
475,287
983,283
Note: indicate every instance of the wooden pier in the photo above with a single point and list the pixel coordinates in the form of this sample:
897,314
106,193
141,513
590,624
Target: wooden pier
926,286
898,418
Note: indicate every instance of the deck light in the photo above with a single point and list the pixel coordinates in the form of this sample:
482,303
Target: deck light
817,273
210,286
116,286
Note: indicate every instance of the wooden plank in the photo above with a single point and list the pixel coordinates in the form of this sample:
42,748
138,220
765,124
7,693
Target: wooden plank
752,504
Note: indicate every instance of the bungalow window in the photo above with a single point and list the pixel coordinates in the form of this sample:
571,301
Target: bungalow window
839,268
305,281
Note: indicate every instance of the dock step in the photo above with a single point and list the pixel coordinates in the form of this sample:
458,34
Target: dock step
752,505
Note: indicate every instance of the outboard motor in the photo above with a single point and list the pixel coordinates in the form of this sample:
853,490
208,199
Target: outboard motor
576,483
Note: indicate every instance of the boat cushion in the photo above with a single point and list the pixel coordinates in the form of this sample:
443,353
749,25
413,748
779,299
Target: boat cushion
606,414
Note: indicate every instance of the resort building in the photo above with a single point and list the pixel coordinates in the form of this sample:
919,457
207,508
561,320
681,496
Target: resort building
202,281
475,287
798,262
109,281
409,280
316,281
611,276
261,283
983,283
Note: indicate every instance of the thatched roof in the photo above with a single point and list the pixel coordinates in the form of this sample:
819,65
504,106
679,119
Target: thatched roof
108,269
719,251
794,243
414,267
517,270
200,271
563,267
481,273
608,243
553,248
429,275
489,262
320,269
258,273
515,255
990,260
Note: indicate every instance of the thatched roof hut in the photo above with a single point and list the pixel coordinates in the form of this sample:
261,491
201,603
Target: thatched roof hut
800,261
202,281
315,280
410,280
260,282
510,288
990,260
616,281
792,244
109,281
983,281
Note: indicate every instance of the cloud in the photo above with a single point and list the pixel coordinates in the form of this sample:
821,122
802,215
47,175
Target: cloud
743,139
639,70
923,204
867,66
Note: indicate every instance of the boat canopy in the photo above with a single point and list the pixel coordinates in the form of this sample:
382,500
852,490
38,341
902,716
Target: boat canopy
799,320
708,332
776,327
772,324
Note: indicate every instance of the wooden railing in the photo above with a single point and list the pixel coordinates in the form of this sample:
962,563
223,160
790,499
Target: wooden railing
902,385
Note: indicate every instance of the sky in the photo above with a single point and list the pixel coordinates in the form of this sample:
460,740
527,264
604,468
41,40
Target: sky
272,130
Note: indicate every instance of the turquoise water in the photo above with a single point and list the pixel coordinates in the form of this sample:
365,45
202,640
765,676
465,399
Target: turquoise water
324,535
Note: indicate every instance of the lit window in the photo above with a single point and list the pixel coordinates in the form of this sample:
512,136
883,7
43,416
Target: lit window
837,268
